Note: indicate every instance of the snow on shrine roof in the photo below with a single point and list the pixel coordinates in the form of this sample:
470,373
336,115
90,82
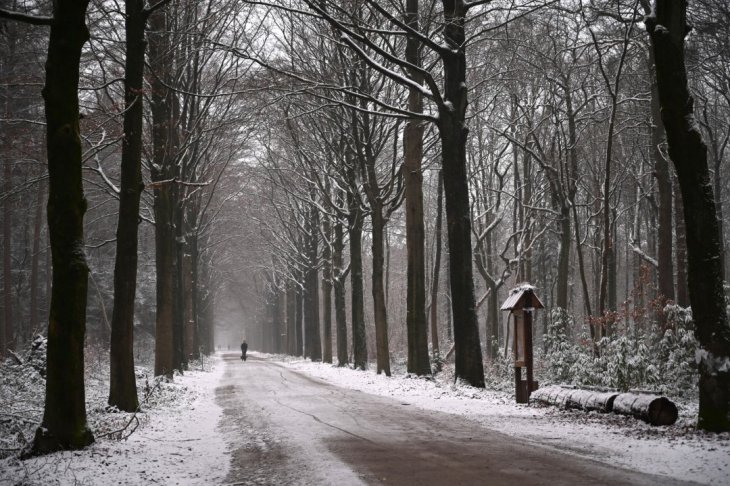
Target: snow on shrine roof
518,298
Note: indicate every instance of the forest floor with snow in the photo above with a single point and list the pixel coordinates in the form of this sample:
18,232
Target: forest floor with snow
177,437
174,440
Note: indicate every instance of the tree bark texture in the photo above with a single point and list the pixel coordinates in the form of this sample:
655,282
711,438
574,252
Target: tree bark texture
162,172
291,306
35,264
566,196
312,339
416,324
704,246
327,277
339,290
378,290
122,383
654,409
357,305
437,268
64,415
299,318
561,295
680,248
6,331
179,358
453,132
188,320
664,190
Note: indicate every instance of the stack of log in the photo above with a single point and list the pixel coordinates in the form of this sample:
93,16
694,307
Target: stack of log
647,406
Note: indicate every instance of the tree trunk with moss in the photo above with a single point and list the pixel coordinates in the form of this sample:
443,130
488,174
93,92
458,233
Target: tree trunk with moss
668,28
64,415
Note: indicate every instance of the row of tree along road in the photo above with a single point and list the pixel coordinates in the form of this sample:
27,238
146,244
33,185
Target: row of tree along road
316,121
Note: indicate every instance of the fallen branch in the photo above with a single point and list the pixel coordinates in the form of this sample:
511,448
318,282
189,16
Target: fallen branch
17,358
133,418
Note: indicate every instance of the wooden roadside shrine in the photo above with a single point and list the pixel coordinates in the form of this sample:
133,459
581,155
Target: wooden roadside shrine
522,302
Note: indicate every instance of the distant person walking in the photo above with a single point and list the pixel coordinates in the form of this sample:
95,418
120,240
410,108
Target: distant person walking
244,348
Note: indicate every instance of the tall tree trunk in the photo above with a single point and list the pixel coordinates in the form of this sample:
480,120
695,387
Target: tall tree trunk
299,317
582,271
199,331
291,310
6,334
568,202
357,306
327,278
162,172
526,226
561,297
122,383
339,288
437,269
378,289
612,297
664,190
179,357
667,28
680,248
453,132
64,415
608,257
312,340
188,320
280,320
416,325
607,249
34,269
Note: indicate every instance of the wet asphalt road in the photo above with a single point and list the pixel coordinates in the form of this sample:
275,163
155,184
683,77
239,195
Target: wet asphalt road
284,428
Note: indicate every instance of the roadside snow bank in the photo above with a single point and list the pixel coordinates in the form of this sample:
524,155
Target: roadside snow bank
678,451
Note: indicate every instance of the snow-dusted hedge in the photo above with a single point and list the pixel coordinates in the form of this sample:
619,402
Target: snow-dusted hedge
631,358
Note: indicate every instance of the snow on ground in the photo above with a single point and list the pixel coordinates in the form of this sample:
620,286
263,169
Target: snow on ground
177,441
679,451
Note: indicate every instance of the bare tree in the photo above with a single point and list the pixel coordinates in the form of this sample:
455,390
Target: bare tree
668,28
64,416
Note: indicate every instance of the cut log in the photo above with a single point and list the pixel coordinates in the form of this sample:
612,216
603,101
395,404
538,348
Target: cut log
575,398
656,410
649,407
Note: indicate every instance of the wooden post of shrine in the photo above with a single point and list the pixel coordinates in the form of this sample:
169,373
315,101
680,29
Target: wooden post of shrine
522,303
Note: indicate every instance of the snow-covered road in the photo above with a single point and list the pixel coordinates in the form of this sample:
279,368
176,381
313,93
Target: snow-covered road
278,420
284,427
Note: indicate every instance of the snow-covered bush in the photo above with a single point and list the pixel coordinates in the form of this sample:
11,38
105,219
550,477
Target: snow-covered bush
626,362
676,350
560,354
22,392
36,356
656,356
500,371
